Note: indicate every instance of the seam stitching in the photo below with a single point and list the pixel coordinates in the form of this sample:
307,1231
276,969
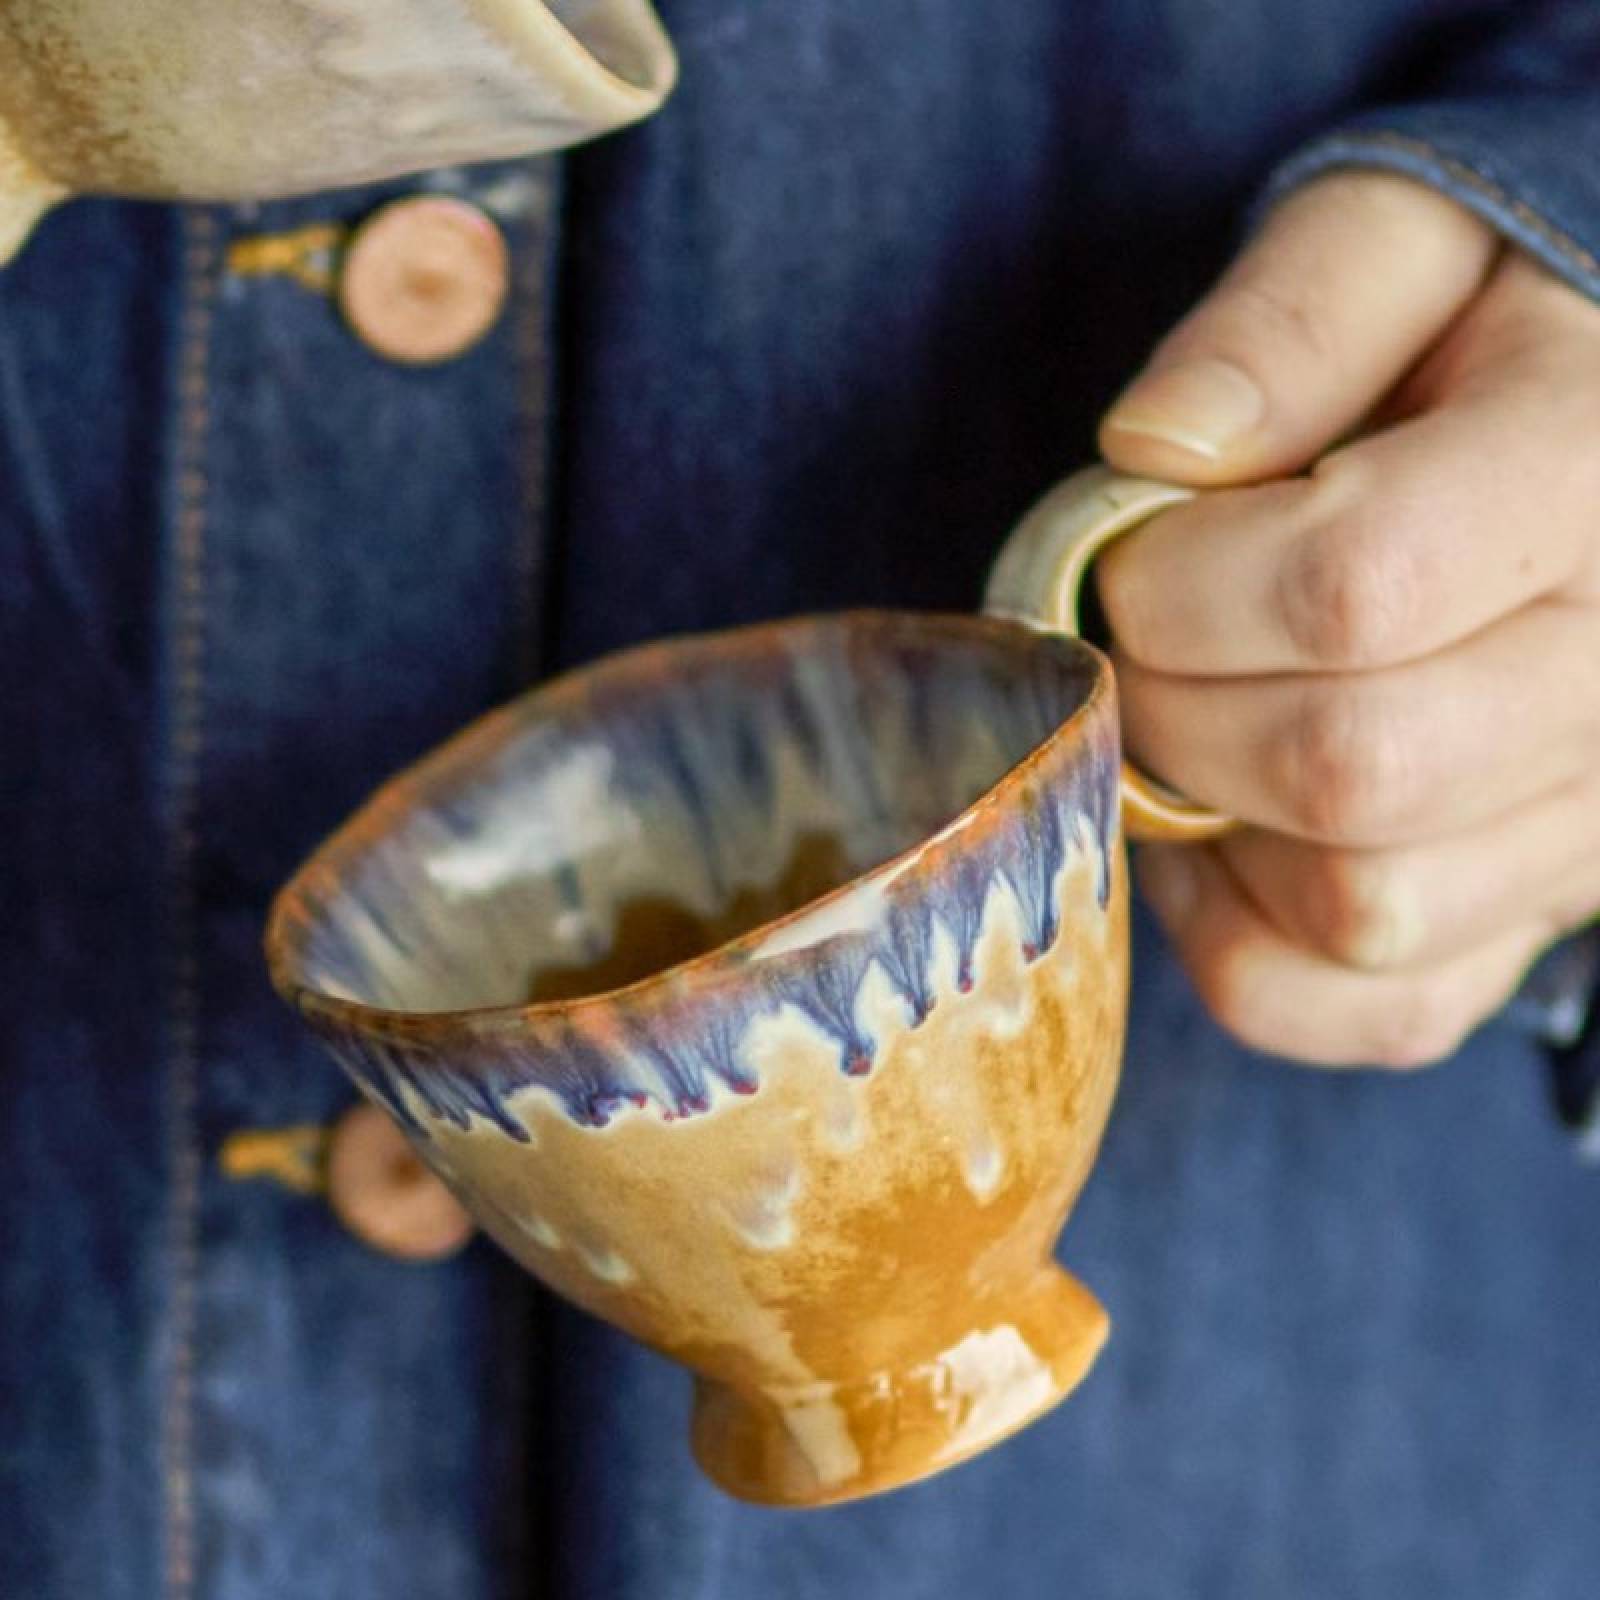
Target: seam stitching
201,263
531,356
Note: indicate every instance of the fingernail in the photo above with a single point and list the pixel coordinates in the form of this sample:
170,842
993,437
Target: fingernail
1203,407
1169,881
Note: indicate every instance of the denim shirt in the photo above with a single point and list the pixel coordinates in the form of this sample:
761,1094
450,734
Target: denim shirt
812,336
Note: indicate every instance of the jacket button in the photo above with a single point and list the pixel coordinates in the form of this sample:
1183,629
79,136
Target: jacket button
380,1190
424,278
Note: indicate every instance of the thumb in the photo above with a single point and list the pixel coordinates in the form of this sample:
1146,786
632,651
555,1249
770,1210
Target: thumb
1348,282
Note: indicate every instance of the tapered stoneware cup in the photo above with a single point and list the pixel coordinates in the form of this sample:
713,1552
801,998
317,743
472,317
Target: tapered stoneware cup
763,993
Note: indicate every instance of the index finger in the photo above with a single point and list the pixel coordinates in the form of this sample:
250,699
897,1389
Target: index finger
1389,550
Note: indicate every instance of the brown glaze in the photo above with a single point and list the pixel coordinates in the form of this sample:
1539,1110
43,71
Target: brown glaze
893,1254
655,933
235,100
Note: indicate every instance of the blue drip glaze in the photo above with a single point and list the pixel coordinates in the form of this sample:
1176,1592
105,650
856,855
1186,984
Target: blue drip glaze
591,1088
694,1043
823,987
825,991
680,1071
656,746
444,1090
567,882
719,1042
478,1095
1033,870
367,1063
691,1049
963,910
750,762
681,1062
906,953
799,723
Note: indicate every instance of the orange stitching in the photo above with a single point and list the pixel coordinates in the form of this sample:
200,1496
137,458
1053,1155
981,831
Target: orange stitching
1471,179
305,254
201,259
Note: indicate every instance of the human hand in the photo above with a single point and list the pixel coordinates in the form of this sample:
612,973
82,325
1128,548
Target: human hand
1389,668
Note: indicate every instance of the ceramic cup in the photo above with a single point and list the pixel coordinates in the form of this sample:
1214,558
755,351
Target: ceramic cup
176,100
763,993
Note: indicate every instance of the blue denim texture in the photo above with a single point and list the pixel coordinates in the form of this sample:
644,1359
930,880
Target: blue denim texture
1507,121
825,327
237,589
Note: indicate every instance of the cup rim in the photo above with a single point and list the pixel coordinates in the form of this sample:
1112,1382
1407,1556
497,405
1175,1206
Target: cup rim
291,916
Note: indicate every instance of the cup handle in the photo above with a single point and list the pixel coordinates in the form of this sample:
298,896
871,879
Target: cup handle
1037,580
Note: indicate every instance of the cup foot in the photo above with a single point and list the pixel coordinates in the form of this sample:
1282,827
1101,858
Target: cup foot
816,1444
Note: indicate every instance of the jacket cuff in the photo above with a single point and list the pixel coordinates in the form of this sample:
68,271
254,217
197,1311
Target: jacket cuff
1527,163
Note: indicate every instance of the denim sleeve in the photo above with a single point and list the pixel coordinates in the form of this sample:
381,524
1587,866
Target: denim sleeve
1528,164
1509,126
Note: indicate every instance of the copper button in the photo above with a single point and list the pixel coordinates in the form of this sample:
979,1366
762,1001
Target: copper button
424,278
381,1191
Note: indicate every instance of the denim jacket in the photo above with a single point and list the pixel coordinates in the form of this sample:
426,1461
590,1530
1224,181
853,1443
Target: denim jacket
812,335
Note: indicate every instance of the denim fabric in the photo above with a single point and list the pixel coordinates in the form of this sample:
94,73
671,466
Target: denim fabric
247,568
826,326
1505,118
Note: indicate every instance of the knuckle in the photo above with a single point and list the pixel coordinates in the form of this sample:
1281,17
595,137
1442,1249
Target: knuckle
1422,1026
1293,317
1350,597
1223,977
1361,911
1232,991
1348,765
